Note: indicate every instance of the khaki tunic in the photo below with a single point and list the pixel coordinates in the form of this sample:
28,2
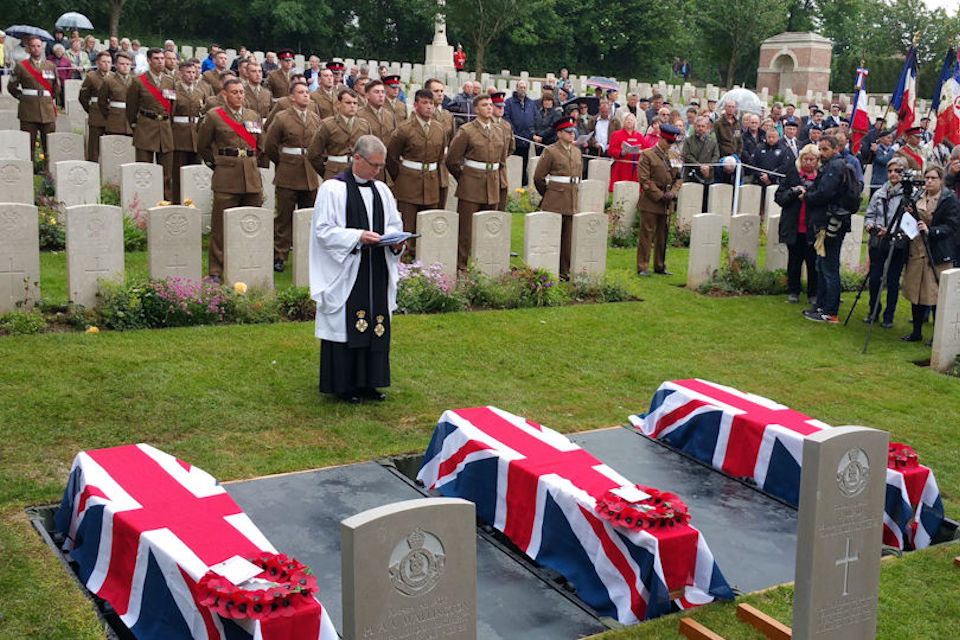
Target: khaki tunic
212,80
382,126
215,101
326,102
446,122
150,134
658,171
230,174
409,142
283,104
473,142
260,99
558,197
335,138
509,146
189,104
90,97
911,157
918,285
114,89
399,110
288,130
37,109
278,83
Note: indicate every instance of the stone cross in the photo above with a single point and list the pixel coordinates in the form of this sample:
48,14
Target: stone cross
839,531
946,329
437,243
19,255
541,240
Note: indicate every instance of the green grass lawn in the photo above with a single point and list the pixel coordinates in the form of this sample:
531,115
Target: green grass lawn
241,401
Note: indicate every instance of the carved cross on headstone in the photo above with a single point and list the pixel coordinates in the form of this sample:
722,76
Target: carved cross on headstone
99,269
845,562
177,262
10,273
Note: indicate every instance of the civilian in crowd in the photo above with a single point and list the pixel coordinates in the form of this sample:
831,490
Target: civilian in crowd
700,150
519,111
139,57
624,160
772,158
79,60
269,63
58,38
602,126
880,151
793,223
878,222
542,131
113,48
729,131
90,48
656,101
242,54
170,45
64,69
752,136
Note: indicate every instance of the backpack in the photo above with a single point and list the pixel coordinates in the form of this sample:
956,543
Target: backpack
850,189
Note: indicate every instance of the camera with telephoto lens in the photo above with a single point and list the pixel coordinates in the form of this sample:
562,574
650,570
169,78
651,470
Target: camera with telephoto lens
910,179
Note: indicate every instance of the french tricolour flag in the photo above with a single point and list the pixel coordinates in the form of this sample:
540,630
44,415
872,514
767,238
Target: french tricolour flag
948,105
904,96
860,122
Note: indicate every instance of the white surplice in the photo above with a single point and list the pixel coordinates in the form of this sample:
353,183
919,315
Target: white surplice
333,262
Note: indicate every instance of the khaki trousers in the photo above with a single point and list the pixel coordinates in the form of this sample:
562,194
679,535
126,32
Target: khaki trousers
653,228
165,160
287,201
466,210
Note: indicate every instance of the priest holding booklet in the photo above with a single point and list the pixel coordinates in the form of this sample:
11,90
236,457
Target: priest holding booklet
353,275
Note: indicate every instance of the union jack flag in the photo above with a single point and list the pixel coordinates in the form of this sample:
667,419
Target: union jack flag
540,489
144,527
749,436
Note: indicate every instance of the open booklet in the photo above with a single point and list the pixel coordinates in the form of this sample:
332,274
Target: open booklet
583,140
390,239
626,148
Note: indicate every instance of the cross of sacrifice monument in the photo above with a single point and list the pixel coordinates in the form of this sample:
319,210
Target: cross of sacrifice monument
439,53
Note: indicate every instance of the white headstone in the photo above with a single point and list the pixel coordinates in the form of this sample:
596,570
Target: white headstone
689,202
867,176
593,196
706,235
115,151
8,119
78,118
19,255
77,182
141,188
532,168
541,240
750,198
946,328
300,252
588,248
626,194
71,90
195,186
16,181
173,243
852,247
451,203
437,243
269,191
248,246
490,242
64,146
15,144
186,51
94,249
720,201
777,253
514,172
744,232
599,169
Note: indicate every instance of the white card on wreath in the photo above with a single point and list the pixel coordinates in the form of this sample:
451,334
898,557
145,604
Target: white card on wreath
236,569
630,493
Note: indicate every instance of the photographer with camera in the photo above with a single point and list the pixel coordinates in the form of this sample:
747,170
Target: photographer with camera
933,251
879,220
794,222
827,222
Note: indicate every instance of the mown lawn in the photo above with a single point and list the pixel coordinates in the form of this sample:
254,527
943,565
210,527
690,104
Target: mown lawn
241,401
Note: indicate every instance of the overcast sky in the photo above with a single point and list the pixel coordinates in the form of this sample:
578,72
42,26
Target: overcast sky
949,5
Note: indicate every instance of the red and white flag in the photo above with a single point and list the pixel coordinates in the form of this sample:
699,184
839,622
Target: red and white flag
859,121
948,110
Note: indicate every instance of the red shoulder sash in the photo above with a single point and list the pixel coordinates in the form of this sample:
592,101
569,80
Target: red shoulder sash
238,128
39,78
155,92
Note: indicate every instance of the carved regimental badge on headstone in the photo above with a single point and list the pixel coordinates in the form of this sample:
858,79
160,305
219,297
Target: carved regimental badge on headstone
416,562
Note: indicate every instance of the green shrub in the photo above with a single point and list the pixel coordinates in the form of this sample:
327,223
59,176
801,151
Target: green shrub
174,302
53,237
678,234
294,303
22,322
426,290
850,279
110,194
597,289
134,234
522,200
536,288
739,277
256,306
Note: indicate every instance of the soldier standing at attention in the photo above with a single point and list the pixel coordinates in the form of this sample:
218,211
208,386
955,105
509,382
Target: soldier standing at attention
187,112
34,83
150,100
658,169
90,101
278,80
333,143
557,179
113,97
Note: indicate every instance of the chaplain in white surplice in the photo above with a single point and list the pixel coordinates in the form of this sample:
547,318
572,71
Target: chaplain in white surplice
353,278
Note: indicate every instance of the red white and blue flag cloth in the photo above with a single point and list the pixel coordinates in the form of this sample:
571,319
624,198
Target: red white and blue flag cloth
144,527
946,102
859,121
904,97
540,490
752,437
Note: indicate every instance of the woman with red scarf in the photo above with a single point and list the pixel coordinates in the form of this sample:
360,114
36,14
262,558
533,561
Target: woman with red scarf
624,161
793,223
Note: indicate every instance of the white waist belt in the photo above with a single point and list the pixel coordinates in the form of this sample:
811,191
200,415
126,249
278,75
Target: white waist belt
94,100
297,151
564,179
483,166
181,119
343,159
34,92
118,105
419,166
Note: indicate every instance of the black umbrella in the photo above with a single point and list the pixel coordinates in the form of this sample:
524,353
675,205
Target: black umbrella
20,30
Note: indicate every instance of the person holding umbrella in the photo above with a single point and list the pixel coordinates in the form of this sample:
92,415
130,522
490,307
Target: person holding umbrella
34,83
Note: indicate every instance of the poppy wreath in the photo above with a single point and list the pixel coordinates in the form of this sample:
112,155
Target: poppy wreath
900,456
290,583
661,509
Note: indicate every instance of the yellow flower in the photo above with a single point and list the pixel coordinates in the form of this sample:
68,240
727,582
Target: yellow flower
188,202
92,329
240,288
40,156
520,190
36,143
51,221
163,203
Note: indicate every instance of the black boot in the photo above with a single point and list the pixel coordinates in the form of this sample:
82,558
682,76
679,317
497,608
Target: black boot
916,311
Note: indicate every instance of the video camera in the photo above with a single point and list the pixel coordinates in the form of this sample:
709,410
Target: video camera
910,179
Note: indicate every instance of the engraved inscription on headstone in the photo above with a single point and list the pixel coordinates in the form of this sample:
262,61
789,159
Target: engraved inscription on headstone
115,151
141,187
706,233
416,560
77,182
490,242
437,243
248,246
195,186
16,180
173,243
94,249
744,232
588,250
541,240
19,255
626,194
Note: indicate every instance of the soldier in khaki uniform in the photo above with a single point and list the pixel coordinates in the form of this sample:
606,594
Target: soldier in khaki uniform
296,181
325,95
378,116
658,170
228,141
285,103
509,144
392,85
474,160
333,143
260,99
34,83
445,120
214,77
90,101
557,179
278,80
150,100
187,113
112,100
414,157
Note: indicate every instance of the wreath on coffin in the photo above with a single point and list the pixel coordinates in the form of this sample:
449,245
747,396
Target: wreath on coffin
286,581
661,509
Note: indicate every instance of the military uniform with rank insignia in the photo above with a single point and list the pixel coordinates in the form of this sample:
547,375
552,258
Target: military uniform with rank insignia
392,85
557,179
224,141
380,118
445,120
510,145
333,143
112,99
34,83
278,80
150,101
286,143
187,113
658,169
260,99
474,160
282,105
90,101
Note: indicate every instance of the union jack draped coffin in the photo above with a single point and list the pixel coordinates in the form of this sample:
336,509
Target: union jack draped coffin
144,527
749,436
540,490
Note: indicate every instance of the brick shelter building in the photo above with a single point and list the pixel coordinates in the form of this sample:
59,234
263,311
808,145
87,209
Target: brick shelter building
795,61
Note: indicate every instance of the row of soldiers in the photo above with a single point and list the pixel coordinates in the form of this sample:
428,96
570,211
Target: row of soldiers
236,123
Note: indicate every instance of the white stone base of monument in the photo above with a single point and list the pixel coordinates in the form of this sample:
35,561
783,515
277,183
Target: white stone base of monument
439,56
